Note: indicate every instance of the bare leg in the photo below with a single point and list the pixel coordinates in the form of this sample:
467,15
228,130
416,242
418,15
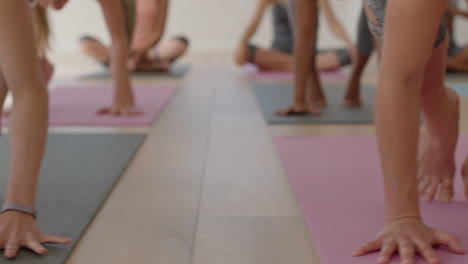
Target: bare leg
273,60
169,50
440,107
327,61
19,67
352,96
96,50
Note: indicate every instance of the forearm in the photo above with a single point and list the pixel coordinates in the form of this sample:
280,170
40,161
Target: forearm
28,123
456,11
399,98
118,67
150,23
114,17
397,124
255,21
304,47
341,33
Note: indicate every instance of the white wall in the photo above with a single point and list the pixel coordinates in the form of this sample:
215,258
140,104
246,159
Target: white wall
213,25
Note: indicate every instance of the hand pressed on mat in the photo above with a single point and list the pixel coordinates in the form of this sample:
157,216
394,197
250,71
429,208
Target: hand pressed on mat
19,230
410,236
299,109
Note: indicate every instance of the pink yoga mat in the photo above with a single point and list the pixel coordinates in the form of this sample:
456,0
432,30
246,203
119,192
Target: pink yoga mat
255,74
77,106
338,184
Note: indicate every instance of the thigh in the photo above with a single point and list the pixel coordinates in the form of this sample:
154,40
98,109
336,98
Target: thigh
273,60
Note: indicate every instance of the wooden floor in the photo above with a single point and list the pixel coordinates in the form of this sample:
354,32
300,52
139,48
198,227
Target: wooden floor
207,186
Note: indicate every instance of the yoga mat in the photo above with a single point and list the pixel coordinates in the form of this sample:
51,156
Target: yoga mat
176,71
77,106
338,184
78,173
273,97
254,74
462,89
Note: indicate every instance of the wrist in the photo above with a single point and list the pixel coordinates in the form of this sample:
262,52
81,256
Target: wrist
19,208
405,218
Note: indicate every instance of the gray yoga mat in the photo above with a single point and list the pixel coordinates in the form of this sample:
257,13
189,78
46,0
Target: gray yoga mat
176,71
78,173
274,97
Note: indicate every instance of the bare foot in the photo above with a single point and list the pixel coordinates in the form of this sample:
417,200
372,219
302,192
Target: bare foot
436,171
465,176
352,98
319,102
352,103
318,99
299,109
437,163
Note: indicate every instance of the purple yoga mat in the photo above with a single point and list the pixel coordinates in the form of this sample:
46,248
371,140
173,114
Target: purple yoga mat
338,184
255,74
77,106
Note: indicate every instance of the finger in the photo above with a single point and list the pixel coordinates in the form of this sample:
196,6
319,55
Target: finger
386,253
50,239
451,242
406,251
431,191
368,248
428,253
11,249
446,190
37,247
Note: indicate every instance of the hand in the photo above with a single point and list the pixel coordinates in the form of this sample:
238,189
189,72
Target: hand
55,4
409,236
119,110
299,109
242,54
148,65
134,59
122,106
20,230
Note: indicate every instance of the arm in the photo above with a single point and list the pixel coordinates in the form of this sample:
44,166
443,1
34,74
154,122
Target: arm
456,11
401,78
242,52
336,26
256,19
123,103
149,25
28,127
306,13
305,48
